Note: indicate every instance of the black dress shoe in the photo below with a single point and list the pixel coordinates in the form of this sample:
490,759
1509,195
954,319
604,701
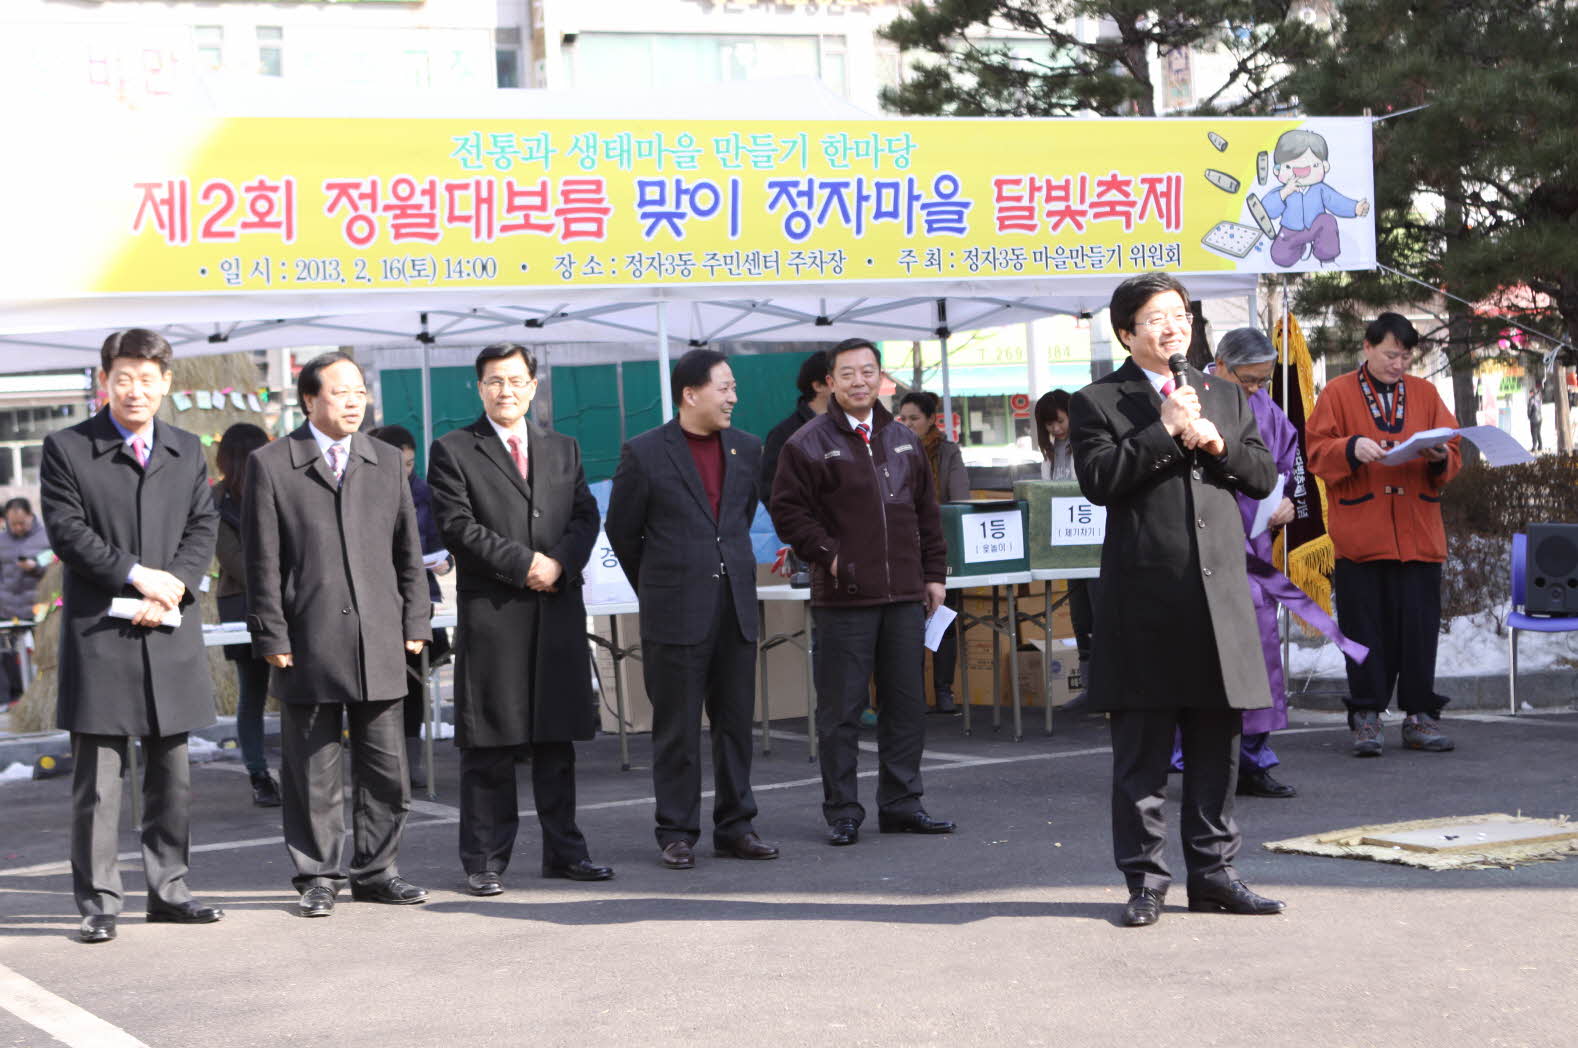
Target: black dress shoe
842,832
396,891
1258,783
1235,897
746,846
677,855
485,883
1145,907
912,822
265,791
98,928
188,912
579,870
317,901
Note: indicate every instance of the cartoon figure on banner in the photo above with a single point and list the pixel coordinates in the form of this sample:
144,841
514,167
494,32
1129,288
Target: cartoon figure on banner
1307,207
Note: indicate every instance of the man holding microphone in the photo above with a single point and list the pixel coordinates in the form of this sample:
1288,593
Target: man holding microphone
1165,447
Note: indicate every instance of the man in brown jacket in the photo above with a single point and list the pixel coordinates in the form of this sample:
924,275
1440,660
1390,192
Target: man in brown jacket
853,497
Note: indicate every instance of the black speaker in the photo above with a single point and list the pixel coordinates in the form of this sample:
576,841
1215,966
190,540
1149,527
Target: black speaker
1551,571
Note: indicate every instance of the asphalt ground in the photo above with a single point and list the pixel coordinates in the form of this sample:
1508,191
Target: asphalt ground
1003,934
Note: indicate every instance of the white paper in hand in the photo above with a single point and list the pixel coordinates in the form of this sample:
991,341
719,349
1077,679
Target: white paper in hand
127,608
937,624
1267,507
434,559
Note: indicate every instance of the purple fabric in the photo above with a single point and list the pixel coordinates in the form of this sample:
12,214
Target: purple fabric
1282,440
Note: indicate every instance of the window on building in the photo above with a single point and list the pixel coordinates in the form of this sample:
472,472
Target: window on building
507,57
210,41
271,50
657,59
32,456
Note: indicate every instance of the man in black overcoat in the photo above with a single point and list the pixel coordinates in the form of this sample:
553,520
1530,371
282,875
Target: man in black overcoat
514,509
679,519
1165,459
126,505
336,596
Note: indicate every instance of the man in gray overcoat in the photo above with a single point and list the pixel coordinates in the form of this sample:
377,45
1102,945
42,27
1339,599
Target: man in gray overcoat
126,505
514,509
336,596
1176,647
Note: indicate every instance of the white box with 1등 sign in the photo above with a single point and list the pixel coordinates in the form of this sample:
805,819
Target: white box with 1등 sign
984,536
1065,529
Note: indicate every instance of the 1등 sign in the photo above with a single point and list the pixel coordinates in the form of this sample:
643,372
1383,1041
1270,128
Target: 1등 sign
985,536
1065,529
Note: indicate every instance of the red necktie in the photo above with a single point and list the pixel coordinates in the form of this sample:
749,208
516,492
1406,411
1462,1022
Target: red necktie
864,431
1167,389
139,451
518,453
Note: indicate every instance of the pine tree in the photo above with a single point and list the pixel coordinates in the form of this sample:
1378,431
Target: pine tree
963,70
1476,192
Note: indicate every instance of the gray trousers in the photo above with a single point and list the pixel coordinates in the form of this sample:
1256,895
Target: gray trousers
1142,748
98,765
312,782
853,645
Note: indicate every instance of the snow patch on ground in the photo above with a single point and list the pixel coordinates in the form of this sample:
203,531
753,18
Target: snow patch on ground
16,771
1471,648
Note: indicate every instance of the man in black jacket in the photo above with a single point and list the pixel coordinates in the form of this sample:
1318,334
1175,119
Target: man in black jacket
852,495
679,519
1166,458
814,396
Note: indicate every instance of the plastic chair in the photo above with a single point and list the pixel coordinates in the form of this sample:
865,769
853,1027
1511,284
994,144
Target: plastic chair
1517,620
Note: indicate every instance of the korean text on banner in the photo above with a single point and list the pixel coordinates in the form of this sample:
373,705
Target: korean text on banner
299,204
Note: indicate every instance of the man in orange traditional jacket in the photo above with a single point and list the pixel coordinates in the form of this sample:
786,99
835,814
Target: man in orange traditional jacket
1385,523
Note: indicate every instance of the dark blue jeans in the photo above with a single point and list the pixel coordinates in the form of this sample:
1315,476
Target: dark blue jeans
252,693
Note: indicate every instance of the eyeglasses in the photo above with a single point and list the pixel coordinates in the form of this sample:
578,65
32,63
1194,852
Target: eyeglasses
496,385
1252,382
1161,320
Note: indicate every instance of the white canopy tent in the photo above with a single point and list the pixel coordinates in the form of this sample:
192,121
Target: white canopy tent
633,321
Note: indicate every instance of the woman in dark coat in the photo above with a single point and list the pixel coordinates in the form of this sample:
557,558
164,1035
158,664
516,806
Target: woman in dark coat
432,542
239,442
918,411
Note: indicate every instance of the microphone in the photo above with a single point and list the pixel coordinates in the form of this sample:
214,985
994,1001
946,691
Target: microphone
1180,368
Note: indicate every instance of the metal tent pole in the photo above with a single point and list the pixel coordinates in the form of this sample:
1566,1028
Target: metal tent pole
665,381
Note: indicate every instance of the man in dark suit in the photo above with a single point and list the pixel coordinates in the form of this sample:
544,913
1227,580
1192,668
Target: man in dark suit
127,509
679,519
1166,458
514,509
336,597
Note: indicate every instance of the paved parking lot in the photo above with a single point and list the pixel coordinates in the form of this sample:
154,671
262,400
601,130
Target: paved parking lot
1002,934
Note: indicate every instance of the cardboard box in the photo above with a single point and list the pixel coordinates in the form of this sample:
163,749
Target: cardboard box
1028,663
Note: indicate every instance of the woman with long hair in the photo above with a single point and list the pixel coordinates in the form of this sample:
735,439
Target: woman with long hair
918,411
1057,463
235,446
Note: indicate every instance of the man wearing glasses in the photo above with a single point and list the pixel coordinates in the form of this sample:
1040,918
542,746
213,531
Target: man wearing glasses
1385,525
514,509
853,497
1167,653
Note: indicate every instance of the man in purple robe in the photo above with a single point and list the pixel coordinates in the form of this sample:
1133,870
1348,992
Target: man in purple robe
1246,357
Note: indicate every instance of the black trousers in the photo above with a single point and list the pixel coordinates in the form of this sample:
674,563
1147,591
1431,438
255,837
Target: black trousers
490,805
717,676
853,645
1392,607
98,763
1142,747
312,782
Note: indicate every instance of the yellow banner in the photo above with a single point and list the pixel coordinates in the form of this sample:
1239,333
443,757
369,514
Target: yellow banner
260,205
